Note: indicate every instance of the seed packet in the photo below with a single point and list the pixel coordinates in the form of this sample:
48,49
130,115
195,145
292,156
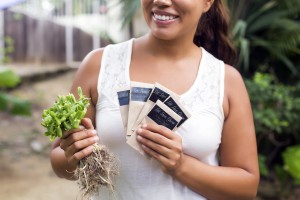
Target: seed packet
124,98
158,93
174,104
159,114
139,94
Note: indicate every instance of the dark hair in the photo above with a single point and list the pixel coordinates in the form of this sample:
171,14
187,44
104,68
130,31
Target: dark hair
213,33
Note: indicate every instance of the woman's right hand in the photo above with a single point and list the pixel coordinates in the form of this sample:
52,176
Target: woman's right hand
77,143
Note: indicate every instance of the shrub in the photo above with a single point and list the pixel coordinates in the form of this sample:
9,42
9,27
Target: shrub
10,103
276,110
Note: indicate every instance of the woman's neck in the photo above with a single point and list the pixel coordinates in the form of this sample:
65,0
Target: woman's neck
173,49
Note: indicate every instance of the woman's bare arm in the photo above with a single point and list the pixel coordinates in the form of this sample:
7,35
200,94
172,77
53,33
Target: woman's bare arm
77,144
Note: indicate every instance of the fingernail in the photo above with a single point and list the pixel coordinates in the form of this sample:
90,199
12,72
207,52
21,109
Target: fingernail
139,138
139,130
94,132
81,127
144,125
96,138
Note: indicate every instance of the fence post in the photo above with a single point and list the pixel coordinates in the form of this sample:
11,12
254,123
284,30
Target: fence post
1,36
69,31
96,36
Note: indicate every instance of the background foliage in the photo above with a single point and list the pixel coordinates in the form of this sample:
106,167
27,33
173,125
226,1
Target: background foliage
9,103
266,33
276,109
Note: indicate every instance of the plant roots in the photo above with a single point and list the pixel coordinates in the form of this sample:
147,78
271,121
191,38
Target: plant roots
96,170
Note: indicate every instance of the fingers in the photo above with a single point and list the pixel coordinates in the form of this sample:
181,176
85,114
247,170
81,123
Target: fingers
168,165
156,147
79,145
67,133
155,154
160,139
87,123
79,140
159,144
74,160
159,129
155,137
160,135
77,135
162,144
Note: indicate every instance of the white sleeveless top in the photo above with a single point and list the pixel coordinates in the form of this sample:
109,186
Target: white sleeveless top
141,178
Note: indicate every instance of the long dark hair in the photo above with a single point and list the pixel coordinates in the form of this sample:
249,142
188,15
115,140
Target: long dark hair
213,33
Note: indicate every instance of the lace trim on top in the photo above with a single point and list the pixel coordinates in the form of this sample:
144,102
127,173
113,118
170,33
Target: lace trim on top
207,90
114,67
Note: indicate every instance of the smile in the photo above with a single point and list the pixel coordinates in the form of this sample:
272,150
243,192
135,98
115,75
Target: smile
163,17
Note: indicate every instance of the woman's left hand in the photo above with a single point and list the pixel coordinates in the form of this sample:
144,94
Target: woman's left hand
162,144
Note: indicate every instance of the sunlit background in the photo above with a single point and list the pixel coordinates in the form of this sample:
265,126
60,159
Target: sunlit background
42,43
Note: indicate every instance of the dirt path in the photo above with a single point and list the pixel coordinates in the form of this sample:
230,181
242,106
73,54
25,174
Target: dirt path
31,178
25,171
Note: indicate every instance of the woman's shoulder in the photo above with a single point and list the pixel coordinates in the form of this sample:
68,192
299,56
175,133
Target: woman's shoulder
233,78
94,57
234,90
92,61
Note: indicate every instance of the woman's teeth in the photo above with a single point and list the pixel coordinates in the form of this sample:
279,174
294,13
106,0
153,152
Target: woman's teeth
163,17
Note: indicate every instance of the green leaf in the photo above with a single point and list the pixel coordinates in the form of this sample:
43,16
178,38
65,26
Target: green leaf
20,107
244,52
8,78
276,52
3,101
239,30
262,165
281,174
291,157
65,114
272,31
14,105
129,9
265,21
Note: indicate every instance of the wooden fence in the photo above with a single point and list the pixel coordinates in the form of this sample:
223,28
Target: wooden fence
43,41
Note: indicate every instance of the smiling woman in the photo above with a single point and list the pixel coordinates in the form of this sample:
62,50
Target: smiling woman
213,154
180,18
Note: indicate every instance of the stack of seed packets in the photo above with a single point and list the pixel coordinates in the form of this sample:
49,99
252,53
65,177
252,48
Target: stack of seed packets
146,103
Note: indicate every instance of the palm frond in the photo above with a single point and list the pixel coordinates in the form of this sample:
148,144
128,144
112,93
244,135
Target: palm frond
276,52
129,9
266,31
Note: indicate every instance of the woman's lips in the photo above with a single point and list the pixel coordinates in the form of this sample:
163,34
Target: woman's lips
164,18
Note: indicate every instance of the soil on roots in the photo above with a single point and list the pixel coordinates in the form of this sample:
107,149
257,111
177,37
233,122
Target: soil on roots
97,170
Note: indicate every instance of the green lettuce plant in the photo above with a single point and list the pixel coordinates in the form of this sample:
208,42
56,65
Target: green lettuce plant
65,114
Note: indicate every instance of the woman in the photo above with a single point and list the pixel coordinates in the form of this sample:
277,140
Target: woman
213,154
